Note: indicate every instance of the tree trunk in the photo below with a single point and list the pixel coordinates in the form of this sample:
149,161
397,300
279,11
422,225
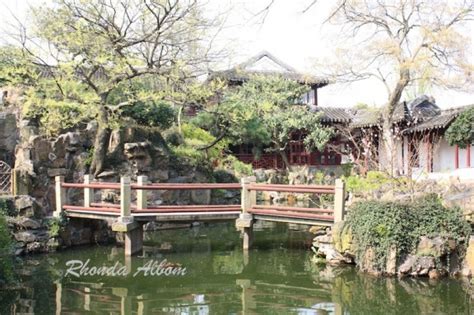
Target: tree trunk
285,159
388,137
101,143
389,146
180,112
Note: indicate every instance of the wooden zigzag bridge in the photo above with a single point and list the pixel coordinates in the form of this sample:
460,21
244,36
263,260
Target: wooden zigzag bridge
134,209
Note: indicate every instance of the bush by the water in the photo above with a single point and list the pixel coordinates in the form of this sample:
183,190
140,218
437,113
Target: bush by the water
6,260
379,225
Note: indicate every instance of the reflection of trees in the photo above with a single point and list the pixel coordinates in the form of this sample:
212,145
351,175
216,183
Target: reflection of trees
280,280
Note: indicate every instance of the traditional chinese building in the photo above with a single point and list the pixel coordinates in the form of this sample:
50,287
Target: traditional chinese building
266,64
419,127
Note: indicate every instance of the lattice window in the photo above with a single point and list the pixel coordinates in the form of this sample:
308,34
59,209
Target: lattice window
5,178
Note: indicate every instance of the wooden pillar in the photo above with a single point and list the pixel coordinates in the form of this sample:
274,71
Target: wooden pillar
88,192
245,220
125,196
60,196
456,157
249,197
428,155
468,155
339,200
141,193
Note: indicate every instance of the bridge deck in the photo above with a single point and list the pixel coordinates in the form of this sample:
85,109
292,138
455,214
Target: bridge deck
124,215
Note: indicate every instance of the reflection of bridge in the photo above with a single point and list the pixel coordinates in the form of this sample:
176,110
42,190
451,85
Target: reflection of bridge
250,294
134,208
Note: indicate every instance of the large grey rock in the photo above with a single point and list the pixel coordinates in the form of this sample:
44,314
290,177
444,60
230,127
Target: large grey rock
25,236
9,134
27,223
53,172
431,247
201,197
31,236
35,247
41,149
27,206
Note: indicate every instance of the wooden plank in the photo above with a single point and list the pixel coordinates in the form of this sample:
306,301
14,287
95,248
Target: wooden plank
186,186
291,214
291,220
290,188
91,185
91,209
297,209
178,209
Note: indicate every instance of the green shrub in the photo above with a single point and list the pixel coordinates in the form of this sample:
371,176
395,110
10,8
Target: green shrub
56,225
375,180
7,208
239,168
461,131
223,176
195,139
6,258
173,137
152,114
380,225
347,169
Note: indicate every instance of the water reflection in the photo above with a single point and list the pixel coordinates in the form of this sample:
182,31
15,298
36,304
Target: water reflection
274,279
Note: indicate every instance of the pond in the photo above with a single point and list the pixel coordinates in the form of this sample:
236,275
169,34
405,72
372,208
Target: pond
215,277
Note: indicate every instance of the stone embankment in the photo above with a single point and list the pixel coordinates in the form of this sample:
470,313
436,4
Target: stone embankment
434,257
33,232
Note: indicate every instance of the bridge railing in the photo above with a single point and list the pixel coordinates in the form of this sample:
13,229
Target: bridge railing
141,207
335,214
248,204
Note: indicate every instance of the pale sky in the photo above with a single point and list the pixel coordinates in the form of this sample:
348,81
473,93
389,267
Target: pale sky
297,39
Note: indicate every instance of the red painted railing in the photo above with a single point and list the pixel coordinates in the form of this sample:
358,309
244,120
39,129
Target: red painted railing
248,203
319,214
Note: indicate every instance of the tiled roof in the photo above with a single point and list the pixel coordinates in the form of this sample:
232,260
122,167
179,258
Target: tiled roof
238,75
440,121
333,114
364,118
245,70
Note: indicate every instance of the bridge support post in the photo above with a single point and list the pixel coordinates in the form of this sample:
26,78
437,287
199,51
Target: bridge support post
134,241
339,201
60,196
126,223
245,221
88,192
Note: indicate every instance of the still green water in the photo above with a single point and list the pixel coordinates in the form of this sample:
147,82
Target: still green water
277,277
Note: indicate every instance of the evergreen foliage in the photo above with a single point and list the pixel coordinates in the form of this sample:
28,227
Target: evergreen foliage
461,131
6,259
152,114
264,112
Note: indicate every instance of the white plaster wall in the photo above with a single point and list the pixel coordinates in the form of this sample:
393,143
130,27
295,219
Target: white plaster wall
472,155
399,160
445,157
